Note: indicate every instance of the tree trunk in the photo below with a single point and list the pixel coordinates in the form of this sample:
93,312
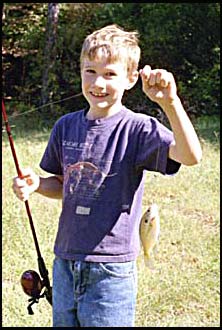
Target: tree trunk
49,52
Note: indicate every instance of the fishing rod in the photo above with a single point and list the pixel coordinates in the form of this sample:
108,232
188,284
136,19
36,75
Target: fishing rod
31,282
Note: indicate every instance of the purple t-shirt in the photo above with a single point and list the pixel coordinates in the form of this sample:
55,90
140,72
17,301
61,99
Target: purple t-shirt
103,163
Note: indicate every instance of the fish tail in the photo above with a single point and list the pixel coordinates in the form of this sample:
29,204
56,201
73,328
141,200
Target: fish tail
148,262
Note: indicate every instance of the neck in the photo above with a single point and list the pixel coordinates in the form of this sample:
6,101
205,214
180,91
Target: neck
94,114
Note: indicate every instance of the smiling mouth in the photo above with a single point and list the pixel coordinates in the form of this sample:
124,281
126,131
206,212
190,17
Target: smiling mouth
98,94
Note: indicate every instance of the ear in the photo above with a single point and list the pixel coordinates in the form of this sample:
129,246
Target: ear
132,79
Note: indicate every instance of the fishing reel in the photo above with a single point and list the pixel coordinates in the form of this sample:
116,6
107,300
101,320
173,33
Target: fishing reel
33,286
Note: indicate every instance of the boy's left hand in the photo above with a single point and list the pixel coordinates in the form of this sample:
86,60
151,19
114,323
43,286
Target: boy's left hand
159,85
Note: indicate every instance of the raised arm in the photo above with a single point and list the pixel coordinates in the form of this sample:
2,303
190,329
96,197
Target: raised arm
159,85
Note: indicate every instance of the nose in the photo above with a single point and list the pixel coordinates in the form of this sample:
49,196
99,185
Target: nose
99,82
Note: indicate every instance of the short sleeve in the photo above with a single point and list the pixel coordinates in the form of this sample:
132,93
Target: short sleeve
153,148
52,158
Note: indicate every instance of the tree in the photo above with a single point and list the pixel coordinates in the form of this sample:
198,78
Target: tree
182,38
49,52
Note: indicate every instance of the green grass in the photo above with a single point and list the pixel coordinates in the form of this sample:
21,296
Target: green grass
182,291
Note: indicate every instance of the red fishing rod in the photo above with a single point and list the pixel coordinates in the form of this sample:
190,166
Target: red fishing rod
31,282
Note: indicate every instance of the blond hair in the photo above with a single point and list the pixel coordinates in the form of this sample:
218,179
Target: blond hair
113,43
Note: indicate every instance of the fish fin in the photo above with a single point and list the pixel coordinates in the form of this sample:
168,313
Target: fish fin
155,250
148,262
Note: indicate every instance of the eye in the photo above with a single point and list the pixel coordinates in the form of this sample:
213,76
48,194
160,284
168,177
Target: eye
90,71
111,74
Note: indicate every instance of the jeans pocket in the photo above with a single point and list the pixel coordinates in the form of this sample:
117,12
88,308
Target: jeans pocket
118,269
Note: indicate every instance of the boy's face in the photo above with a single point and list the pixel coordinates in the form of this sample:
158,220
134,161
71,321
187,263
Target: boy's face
103,83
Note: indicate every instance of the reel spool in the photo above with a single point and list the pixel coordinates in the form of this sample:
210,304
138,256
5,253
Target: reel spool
32,285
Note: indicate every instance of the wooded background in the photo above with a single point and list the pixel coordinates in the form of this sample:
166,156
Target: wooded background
41,45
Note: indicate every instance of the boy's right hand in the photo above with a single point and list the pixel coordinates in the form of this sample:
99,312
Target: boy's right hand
26,185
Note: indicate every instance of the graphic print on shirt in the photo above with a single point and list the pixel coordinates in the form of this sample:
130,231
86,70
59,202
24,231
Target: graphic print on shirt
83,178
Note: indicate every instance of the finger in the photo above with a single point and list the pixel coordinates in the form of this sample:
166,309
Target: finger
145,73
19,183
21,193
26,172
163,83
158,77
152,79
24,196
26,178
164,80
18,186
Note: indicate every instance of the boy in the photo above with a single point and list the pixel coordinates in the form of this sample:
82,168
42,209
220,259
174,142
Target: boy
97,157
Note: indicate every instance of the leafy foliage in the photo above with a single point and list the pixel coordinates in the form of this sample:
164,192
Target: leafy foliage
180,37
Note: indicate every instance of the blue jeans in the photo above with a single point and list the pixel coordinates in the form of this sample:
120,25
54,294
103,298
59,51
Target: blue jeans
88,294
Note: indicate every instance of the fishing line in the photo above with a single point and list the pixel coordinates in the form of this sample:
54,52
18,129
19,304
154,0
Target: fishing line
45,105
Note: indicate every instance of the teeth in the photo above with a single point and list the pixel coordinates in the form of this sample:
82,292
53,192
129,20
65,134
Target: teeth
98,94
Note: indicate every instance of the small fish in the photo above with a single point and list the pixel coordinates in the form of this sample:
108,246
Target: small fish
149,232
